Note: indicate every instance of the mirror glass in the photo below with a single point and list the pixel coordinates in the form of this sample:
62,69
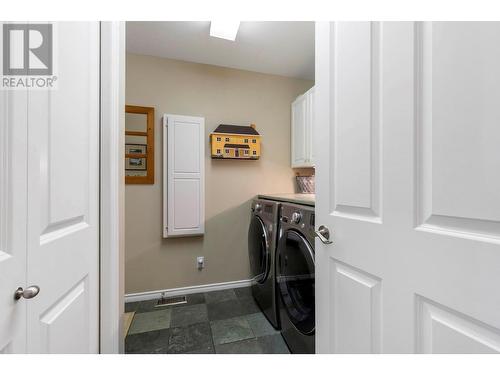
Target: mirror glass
136,122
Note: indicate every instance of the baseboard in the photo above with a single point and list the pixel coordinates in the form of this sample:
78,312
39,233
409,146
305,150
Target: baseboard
155,294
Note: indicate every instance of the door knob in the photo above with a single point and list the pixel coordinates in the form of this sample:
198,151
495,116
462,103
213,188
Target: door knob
27,293
323,233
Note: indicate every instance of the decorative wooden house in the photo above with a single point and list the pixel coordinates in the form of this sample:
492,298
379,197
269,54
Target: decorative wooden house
235,142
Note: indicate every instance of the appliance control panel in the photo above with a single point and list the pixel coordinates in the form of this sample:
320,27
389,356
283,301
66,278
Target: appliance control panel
298,216
265,209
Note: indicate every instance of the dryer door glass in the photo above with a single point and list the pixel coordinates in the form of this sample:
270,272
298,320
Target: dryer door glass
295,277
258,250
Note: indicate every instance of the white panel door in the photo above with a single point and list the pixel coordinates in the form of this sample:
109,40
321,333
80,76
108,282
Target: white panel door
183,173
63,187
13,156
408,184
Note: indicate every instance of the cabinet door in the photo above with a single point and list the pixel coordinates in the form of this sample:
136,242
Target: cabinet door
309,127
184,175
299,109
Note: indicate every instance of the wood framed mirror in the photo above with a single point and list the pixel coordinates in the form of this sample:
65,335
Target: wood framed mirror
139,145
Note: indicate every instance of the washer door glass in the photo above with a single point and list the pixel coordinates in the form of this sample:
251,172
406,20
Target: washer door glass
295,276
258,250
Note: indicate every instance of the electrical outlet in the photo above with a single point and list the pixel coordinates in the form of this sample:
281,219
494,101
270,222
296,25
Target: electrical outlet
200,262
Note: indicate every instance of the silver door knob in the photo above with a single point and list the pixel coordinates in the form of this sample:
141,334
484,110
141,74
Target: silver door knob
323,233
28,293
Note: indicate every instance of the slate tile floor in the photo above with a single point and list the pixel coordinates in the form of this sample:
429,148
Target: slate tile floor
221,322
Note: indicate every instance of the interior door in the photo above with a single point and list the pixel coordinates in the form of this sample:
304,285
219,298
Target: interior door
63,186
13,156
408,184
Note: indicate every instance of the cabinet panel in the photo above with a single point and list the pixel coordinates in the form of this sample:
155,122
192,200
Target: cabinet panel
310,127
184,176
302,130
299,131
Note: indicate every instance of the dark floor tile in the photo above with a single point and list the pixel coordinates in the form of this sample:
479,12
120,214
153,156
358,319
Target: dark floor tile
220,296
148,306
188,315
194,299
150,321
153,342
248,305
260,325
131,306
243,292
196,337
230,330
225,310
250,346
273,344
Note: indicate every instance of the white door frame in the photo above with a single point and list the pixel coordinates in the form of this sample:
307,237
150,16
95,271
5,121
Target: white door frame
112,187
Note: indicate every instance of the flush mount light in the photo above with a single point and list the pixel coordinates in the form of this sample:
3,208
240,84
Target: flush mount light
224,29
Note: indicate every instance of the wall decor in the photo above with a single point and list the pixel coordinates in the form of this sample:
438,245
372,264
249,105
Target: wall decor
135,149
139,145
235,142
136,164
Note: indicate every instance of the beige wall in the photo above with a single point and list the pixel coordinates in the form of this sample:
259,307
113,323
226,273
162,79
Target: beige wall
220,95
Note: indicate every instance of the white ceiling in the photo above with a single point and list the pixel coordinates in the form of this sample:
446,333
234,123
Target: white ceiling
282,48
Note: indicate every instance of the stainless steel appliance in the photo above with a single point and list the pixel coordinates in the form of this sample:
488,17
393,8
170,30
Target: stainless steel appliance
262,238
295,277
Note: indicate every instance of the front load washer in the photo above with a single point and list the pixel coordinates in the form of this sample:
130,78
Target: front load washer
262,239
295,277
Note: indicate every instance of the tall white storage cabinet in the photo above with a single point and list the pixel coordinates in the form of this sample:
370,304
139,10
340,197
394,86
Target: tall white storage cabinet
303,130
183,176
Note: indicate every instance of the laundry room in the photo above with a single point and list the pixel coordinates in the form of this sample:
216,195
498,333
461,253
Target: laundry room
219,194
303,185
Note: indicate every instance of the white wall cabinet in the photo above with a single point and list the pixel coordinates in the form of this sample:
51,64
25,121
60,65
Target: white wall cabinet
183,175
303,130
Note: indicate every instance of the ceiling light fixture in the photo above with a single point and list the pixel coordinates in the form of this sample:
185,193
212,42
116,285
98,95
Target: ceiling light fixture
224,29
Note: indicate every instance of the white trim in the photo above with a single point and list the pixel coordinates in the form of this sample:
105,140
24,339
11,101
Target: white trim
155,294
112,187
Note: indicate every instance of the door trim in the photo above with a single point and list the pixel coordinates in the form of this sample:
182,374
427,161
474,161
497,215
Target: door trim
112,187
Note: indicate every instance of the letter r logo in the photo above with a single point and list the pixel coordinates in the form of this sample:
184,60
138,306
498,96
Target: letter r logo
27,49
